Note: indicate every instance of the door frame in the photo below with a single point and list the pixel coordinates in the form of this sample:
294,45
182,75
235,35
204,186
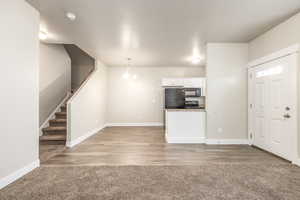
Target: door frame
292,50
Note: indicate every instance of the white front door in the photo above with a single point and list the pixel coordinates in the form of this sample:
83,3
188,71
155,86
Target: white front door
274,106
260,112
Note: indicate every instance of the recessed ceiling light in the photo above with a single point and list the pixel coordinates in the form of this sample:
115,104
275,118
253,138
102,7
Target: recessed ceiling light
43,35
71,16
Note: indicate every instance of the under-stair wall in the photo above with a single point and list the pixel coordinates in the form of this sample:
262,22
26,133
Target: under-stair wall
86,110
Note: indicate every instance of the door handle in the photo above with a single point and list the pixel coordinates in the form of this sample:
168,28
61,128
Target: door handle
287,116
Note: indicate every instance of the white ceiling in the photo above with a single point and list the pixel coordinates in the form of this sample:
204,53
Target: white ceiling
158,32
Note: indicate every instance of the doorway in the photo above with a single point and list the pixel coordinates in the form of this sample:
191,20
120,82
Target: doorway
273,106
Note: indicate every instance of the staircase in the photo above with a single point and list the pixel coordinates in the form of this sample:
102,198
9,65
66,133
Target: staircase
56,132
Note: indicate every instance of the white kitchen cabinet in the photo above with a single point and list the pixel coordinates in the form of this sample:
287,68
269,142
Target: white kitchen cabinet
193,82
184,82
185,126
172,82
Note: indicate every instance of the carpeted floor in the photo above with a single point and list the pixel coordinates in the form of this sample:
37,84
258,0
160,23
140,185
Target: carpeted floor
218,181
135,163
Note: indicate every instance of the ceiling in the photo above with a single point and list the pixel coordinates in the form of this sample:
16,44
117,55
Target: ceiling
158,32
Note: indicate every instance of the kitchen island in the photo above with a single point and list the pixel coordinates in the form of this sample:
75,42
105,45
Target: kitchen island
185,126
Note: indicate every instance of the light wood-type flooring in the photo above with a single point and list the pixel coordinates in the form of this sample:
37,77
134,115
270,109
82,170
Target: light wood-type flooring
119,146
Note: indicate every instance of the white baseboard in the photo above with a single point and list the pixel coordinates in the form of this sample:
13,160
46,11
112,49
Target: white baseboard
227,141
183,140
52,115
18,174
135,124
77,141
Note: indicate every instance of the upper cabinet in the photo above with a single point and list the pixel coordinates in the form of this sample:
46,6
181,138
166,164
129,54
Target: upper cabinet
172,82
184,82
194,82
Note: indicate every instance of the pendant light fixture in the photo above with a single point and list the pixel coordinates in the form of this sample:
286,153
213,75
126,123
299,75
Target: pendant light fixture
126,74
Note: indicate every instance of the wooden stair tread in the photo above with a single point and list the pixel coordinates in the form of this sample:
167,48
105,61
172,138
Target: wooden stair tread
56,132
61,113
58,120
55,128
53,138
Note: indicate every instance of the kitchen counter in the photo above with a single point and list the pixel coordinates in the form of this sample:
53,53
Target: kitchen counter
185,126
187,110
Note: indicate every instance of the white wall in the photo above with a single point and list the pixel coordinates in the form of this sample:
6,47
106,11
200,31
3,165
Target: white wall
227,91
87,108
140,100
54,77
19,86
280,37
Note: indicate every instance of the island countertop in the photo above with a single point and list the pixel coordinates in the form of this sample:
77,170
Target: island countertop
186,110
